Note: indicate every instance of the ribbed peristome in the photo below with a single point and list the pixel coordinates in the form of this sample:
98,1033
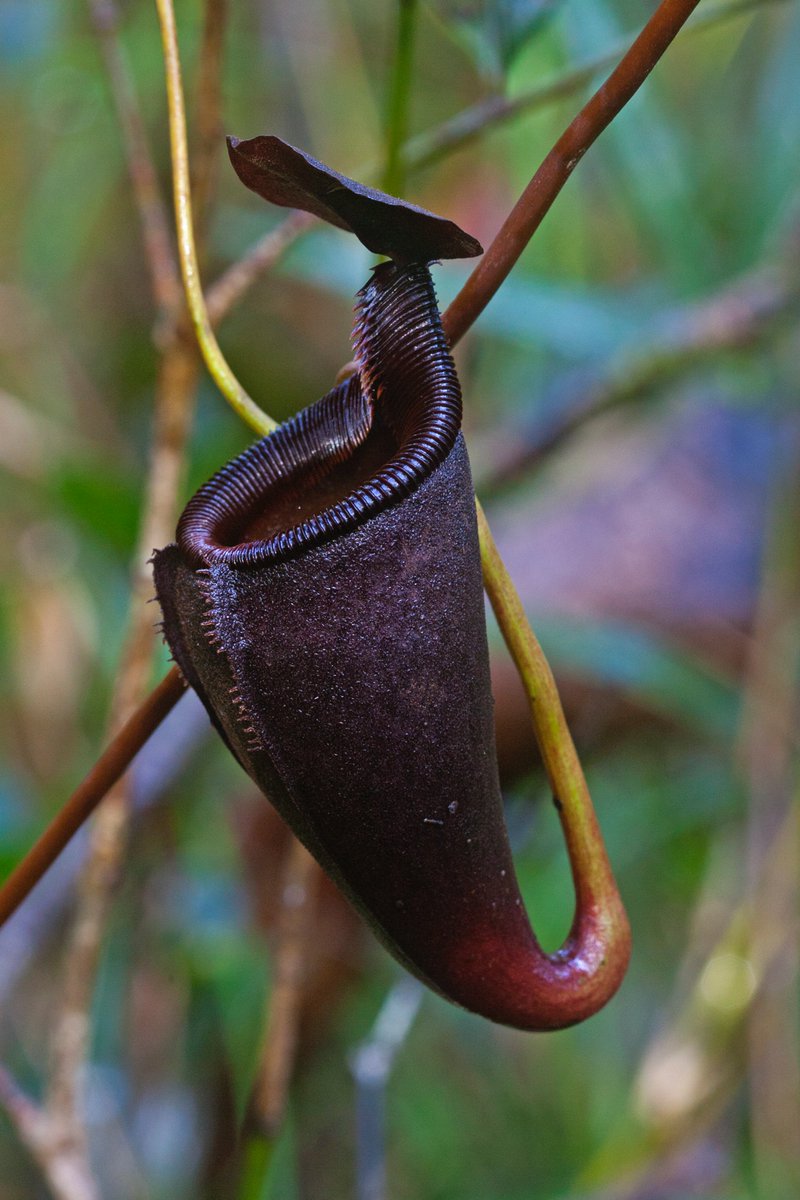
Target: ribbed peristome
361,448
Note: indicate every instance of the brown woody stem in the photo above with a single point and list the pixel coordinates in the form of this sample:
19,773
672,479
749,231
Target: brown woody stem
84,800
529,211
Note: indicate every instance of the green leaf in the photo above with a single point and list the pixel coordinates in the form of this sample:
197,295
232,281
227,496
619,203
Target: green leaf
269,1167
102,500
493,32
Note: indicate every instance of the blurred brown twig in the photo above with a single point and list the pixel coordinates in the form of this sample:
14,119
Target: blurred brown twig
432,147
176,385
429,148
153,214
537,199
61,1116
738,316
208,112
298,896
67,1172
746,980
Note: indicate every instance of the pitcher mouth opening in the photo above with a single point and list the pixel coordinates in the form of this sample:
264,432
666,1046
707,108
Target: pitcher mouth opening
364,446
295,488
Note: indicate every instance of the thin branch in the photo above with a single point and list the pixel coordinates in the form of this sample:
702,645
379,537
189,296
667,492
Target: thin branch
175,391
535,202
27,1117
208,112
114,760
461,130
66,1174
433,146
298,895
161,761
232,285
64,1137
704,1030
737,317
174,400
214,359
532,206
163,267
595,887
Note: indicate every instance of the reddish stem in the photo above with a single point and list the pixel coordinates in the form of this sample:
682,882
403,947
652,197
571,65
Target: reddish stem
84,800
529,211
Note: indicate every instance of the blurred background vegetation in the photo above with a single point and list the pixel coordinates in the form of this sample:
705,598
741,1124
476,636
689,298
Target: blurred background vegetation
631,411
